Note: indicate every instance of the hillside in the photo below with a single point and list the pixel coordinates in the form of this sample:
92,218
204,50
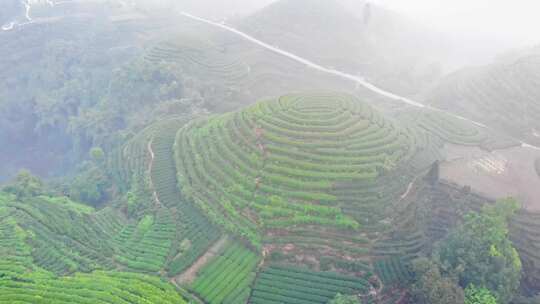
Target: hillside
178,160
502,95
352,40
10,10
324,161
317,189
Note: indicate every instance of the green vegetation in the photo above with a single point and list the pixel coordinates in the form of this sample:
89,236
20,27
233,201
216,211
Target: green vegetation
97,287
393,271
449,129
474,295
25,185
145,245
524,228
292,285
431,287
322,160
502,95
341,299
476,252
305,198
481,252
228,277
57,234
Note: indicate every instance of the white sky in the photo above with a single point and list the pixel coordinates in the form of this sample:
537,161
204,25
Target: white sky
513,21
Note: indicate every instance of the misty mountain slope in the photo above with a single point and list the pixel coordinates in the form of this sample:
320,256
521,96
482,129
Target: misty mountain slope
351,37
10,10
235,71
220,10
504,95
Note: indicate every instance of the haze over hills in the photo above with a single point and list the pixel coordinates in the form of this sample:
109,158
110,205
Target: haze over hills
261,152
354,38
503,95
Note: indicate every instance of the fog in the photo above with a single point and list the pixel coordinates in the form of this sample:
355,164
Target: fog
487,26
478,30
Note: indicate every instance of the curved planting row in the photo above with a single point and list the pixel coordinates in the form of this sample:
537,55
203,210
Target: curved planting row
525,234
202,58
194,234
145,246
15,254
96,287
62,236
406,247
393,271
291,285
227,278
131,161
297,160
504,93
447,128
163,171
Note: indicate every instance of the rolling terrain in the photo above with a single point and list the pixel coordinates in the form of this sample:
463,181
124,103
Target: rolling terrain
321,31
249,163
502,95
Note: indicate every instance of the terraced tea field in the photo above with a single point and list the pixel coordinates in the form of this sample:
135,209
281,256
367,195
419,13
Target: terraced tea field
65,237
524,231
293,285
325,161
228,277
503,94
202,58
452,130
96,287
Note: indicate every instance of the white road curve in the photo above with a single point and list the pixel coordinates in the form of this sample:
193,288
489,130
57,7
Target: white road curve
357,79
28,7
308,63
8,27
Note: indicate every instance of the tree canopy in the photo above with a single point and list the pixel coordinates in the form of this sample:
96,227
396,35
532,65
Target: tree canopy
474,295
431,287
25,185
479,251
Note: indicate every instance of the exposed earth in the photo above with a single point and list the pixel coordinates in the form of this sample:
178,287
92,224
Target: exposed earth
497,174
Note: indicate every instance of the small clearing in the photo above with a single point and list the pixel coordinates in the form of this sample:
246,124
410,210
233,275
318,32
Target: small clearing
190,274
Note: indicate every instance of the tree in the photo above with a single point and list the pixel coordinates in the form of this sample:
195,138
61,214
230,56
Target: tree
25,185
474,295
90,186
97,154
431,287
342,299
479,251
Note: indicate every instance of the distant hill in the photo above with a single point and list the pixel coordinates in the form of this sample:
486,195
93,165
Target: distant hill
503,95
10,10
214,9
353,37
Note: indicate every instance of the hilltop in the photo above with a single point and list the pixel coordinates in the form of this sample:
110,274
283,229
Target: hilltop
354,38
502,95
325,161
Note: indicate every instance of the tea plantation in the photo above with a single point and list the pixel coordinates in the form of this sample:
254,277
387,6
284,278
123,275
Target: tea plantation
307,195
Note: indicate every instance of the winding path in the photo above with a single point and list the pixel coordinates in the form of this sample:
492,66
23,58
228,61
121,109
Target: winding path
357,79
150,166
190,274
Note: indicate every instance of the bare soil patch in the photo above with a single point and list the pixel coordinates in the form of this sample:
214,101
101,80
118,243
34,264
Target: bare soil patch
190,274
497,174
